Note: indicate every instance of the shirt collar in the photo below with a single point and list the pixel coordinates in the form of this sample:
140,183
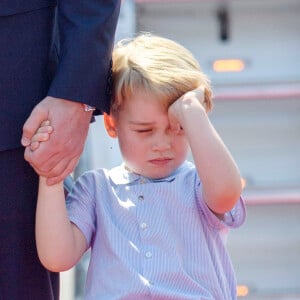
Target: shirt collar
121,175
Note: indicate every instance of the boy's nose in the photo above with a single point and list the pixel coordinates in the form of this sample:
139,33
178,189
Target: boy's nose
162,143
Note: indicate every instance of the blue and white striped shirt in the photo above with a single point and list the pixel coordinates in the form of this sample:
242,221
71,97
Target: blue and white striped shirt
152,239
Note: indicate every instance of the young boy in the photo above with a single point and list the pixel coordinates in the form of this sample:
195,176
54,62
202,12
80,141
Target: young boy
155,224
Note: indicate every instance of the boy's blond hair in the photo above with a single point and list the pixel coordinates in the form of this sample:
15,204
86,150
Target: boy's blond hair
156,65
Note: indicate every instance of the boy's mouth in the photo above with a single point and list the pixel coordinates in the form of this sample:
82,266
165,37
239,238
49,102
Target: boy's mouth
160,161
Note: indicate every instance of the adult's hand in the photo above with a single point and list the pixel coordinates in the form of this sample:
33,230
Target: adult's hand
57,158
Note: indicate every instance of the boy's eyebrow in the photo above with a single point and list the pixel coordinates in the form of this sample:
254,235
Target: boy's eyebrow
141,123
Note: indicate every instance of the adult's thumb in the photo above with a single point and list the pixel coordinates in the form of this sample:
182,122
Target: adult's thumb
37,116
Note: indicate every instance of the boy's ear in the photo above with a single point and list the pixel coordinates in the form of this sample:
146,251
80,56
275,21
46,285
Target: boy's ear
110,125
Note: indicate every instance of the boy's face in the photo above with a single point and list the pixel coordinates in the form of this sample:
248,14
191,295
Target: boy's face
148,146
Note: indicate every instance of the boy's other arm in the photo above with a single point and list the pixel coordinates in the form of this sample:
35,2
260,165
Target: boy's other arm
217,170
60,243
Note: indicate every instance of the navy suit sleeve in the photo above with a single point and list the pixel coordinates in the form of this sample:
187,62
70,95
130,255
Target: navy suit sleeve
86,34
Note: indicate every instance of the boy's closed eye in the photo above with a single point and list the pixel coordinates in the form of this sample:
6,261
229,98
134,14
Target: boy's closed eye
141,128
146,130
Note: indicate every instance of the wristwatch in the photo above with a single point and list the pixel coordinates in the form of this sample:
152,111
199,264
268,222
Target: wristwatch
87,108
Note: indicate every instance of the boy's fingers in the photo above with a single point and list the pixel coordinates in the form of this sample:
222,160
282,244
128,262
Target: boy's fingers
40,137
45,123
47,129
34,145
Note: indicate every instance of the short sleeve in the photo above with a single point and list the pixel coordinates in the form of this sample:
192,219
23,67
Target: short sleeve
232,219
81,206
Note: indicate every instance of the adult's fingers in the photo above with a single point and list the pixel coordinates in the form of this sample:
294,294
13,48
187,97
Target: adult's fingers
37,116
66,171
38,160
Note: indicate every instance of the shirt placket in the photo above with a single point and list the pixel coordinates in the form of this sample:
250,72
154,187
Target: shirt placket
146,229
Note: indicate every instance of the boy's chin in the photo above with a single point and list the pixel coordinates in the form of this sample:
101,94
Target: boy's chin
157,175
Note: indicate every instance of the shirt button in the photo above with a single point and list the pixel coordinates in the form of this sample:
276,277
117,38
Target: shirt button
148,254
141,197
144,225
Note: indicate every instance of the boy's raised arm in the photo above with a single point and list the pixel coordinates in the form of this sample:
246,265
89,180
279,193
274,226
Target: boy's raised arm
216,168
60,243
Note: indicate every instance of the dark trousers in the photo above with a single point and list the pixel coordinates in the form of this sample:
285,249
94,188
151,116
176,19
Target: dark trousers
21,274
